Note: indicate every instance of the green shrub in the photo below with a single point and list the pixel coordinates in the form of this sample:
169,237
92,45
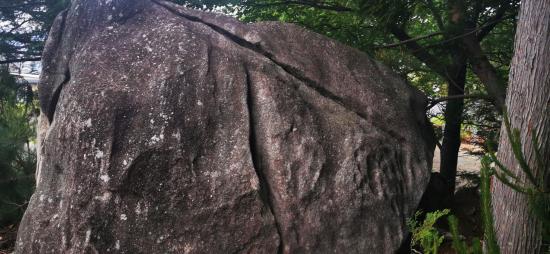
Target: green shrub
537,193
424,234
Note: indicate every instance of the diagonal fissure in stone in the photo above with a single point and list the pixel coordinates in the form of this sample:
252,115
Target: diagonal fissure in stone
258,49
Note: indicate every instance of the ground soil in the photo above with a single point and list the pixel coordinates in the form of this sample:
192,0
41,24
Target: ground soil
466,205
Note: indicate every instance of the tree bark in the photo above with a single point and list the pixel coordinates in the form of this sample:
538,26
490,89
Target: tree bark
456,79
528,104
485,71
453,121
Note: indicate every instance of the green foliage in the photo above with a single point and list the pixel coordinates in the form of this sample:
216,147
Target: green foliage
489,235
17,158
459,245
25,25
537,193
347,26
388,12
486,211
425,234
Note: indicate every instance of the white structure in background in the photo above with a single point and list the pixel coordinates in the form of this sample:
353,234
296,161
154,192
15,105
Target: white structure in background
28,71
31,78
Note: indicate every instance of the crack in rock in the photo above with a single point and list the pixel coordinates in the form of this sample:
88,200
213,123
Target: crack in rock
265,190
292,71
218,137
51,107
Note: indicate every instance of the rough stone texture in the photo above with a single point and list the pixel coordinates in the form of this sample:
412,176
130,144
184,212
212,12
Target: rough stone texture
168,130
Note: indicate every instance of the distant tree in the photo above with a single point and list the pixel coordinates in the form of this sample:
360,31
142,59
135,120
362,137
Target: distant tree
528,102
24,25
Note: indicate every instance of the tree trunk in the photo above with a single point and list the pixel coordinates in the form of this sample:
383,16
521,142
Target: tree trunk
485,71
528,104
456,79
453,121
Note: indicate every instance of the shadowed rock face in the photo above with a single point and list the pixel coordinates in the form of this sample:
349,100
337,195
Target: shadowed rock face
168,130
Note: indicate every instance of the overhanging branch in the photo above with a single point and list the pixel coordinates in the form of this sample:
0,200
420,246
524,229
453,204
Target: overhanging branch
436,101
459,36
418,51
318,5
409,40
492,22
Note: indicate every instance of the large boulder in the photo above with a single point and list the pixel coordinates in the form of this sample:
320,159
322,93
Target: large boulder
169,130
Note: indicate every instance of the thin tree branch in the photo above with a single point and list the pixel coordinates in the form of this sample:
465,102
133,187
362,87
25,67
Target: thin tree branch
455,37
481,125
423,55
477,9
409,40
438,20
485,71
436,101
17,26
492,22
458,36
318,5
418,51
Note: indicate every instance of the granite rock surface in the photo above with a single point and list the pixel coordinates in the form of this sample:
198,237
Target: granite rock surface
169,130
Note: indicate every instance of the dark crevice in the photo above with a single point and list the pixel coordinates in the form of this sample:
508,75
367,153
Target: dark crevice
292,71
265,191
67,74
258,49
208,59
57,93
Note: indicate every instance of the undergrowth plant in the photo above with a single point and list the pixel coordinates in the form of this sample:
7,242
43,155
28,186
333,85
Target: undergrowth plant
490,243
424,234
535,187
